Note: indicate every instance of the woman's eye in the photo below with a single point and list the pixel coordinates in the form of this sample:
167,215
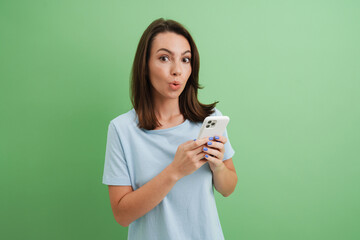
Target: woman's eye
166,58
163,57
187,60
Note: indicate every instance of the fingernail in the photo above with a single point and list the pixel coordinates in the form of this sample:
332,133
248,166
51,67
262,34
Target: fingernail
216,137
209,143
206,156
205,149
194,139
211,138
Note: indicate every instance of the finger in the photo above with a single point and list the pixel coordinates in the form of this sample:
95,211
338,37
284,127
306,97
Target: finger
210,151
200,156
197,150
216,145
221,139
196,143
202,162
213,160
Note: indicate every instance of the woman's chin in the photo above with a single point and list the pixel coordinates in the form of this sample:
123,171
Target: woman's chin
173,96
169,95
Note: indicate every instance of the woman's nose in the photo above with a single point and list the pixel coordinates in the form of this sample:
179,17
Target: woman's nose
176,69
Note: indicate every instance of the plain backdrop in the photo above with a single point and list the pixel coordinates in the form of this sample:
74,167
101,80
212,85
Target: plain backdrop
287,73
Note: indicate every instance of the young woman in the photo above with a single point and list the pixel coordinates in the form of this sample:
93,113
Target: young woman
160,177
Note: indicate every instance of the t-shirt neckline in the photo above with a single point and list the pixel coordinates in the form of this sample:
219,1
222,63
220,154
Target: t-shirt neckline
166,129
161,130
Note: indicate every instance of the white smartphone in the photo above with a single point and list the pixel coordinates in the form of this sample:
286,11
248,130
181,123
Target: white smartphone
213,126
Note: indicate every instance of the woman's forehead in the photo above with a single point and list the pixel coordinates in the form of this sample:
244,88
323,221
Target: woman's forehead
174,43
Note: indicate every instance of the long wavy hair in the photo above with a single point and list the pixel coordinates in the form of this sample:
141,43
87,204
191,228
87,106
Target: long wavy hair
141,88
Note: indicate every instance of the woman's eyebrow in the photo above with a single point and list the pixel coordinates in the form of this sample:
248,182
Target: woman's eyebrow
167,50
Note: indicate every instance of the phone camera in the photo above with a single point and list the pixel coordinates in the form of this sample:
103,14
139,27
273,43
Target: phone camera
207,126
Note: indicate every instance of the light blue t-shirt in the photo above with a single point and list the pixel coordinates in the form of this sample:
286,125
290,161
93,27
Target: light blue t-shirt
134,156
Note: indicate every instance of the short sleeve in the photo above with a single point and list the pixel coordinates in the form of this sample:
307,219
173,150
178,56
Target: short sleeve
229,151
115,168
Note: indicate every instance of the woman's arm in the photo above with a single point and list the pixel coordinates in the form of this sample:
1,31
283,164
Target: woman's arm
224,173
128,205
225,178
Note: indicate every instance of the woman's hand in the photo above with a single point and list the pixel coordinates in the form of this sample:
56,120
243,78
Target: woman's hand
215,152
189,157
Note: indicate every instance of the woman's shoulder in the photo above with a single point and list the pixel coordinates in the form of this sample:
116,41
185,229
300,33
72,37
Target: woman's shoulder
124,119
216,112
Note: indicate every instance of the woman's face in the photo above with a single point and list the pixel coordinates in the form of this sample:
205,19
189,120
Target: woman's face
169,64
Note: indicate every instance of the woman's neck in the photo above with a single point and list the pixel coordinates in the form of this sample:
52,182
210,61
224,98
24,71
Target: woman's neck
166,109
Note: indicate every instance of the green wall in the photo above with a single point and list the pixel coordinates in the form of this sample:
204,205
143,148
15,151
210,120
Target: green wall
286,72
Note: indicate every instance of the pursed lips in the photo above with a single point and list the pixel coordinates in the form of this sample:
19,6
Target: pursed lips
175,82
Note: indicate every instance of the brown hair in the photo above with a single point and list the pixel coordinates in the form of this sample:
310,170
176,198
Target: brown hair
141,96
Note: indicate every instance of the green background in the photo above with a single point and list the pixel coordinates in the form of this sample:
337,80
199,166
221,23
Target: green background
286,72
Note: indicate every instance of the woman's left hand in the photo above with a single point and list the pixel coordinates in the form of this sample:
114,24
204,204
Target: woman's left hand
215,152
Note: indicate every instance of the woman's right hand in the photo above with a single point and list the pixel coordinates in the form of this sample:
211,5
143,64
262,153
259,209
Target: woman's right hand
188,157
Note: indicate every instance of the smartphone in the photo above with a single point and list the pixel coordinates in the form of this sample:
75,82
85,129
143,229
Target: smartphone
213,126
